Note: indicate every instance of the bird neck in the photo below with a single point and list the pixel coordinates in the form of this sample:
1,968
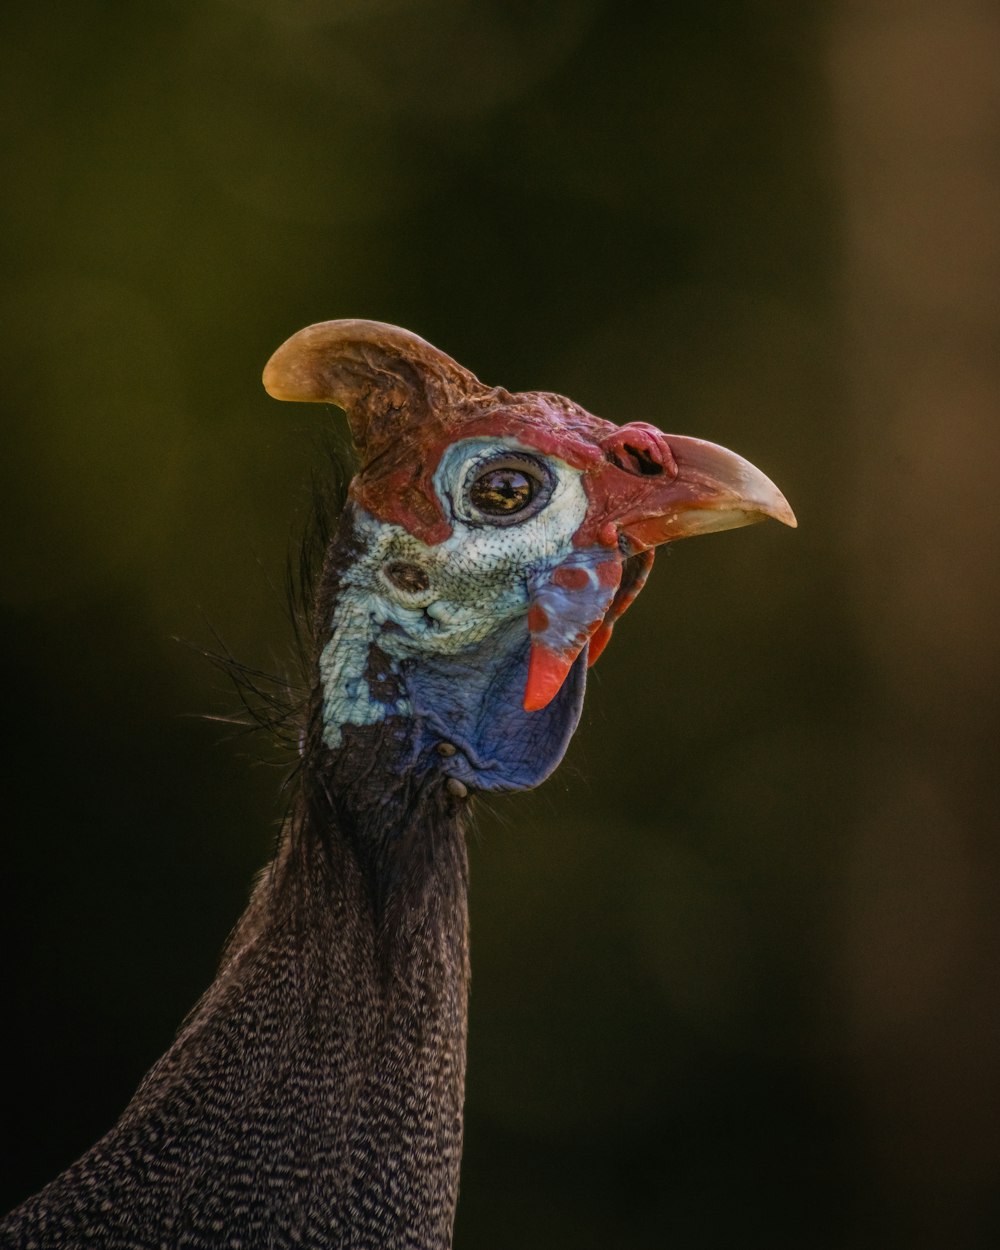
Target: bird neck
369,818
354,955
366,905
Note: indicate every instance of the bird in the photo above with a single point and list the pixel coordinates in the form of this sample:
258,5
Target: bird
489,544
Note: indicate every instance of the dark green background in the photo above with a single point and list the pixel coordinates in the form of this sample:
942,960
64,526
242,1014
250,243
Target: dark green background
734,967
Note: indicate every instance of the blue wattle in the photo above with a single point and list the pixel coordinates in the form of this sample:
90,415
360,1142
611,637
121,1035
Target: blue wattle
474,700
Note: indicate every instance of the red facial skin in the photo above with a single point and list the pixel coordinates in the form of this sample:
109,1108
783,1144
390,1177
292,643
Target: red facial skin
623,466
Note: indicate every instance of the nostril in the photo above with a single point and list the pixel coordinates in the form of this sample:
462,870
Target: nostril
635,460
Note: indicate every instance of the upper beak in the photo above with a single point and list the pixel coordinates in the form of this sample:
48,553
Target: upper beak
712,489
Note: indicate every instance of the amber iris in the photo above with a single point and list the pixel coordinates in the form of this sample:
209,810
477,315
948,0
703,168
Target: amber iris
502,491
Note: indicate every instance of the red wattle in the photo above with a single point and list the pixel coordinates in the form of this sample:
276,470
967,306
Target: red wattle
599,639
547,671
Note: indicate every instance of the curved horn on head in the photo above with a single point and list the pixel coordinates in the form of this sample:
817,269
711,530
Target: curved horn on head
384,377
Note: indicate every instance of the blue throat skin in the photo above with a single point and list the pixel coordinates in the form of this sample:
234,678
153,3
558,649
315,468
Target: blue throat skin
474,699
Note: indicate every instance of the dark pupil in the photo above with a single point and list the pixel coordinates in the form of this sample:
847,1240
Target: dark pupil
502,491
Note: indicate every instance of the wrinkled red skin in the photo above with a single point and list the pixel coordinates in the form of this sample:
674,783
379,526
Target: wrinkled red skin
623,465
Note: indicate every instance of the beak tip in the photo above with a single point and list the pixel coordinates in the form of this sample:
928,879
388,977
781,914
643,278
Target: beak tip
716,489
765,498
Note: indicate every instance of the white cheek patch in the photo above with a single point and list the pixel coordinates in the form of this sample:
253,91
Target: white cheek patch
471,583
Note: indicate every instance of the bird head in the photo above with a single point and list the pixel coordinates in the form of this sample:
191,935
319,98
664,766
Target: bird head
491,543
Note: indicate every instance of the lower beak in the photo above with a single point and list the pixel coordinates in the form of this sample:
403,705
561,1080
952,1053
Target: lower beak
712,489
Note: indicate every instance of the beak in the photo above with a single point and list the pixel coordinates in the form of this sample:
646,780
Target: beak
713,489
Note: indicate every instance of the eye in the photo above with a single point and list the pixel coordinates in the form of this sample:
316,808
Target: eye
499,492
507,489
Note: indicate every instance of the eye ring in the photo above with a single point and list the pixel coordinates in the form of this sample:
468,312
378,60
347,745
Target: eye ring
507,489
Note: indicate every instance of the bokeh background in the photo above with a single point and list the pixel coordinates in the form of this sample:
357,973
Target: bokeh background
736,965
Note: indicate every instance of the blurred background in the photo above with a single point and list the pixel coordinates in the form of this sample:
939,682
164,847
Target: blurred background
735,966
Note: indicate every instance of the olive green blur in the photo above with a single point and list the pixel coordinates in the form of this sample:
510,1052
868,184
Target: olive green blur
735,966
